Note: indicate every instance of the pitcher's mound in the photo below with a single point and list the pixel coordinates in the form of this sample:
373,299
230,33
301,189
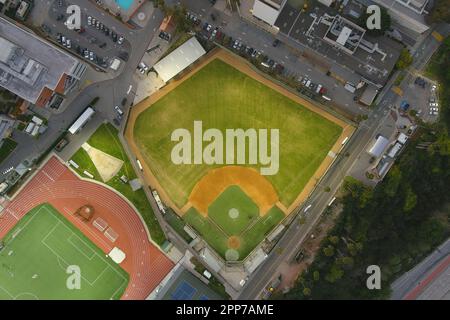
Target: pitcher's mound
107,165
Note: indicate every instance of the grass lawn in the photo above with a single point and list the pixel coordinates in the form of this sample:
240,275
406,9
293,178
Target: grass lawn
215,237
38,251
7,147
252,234
239,203
223,97
178,224
106,139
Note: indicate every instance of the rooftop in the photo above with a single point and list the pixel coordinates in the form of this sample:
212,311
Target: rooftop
29,64
341,41
179,59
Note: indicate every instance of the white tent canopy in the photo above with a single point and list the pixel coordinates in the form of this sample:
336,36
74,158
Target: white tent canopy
179,59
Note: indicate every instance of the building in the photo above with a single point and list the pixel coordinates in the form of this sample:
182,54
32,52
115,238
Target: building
343,33
369,94
407,13
268,10
34,69
179,59
349,53
379,146
6,126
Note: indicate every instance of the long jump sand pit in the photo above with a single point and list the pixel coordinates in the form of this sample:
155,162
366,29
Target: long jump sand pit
106,165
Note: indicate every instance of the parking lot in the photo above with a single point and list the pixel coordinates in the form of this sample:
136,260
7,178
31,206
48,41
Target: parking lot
422,95
96,41
276,57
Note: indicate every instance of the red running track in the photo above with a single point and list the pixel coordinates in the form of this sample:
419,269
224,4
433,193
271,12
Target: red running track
414,293
54,183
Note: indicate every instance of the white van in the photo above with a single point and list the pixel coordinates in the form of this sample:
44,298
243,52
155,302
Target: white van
139,165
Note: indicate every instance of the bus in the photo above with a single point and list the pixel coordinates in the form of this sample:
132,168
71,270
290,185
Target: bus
82,120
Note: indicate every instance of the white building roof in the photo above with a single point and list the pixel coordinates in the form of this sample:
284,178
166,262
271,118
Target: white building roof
265,12
394,150
402,138
179,59
379,146
343,36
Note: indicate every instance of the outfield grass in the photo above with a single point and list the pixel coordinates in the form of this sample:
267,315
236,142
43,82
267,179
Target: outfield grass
38,251
223,97
7,147
106,139
233,198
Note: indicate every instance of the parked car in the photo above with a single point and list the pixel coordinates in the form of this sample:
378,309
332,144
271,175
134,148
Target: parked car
118,110
120,41
275,43
61,144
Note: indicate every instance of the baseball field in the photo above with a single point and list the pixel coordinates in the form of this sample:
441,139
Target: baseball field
233,206
37,253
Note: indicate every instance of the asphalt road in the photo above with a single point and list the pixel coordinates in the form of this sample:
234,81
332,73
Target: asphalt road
412,279
110,91
295,64
293,238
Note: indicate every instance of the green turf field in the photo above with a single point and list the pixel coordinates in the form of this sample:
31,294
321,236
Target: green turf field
38,251
236,200
106,138
248,226
223,97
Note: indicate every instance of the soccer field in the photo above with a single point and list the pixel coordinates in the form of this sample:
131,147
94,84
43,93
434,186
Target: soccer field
36,256
223,97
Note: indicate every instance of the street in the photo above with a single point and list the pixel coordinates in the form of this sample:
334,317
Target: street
110,90
293,238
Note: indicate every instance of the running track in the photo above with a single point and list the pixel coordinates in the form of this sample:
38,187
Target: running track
54,183
413,294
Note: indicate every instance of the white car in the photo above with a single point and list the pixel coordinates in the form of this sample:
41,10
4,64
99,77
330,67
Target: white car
119,111
68,44
120,41
433,87
208,28
89,20
433,104
213,34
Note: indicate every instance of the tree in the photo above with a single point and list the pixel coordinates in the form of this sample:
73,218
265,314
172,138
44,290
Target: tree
405,59
410,200
333,239
328,251
306,292
335,274
440,12
316,275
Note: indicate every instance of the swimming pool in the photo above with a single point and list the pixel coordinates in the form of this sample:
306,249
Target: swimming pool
125,4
